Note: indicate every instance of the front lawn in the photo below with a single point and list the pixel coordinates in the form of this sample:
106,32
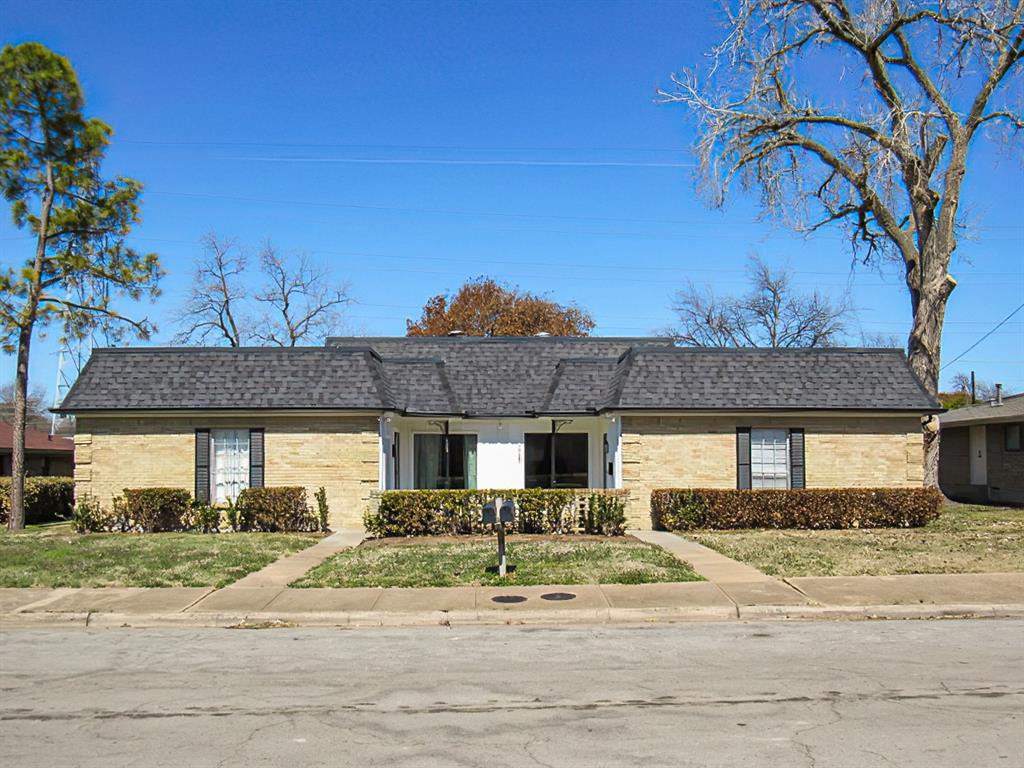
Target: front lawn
965,539
439,562
52,556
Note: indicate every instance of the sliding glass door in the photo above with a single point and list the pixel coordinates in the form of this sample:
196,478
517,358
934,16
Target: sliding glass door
444,461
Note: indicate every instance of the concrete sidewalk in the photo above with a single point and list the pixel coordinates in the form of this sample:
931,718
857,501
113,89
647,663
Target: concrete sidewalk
284,571
814,598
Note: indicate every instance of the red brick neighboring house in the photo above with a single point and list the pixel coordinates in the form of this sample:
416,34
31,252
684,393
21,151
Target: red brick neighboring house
45,454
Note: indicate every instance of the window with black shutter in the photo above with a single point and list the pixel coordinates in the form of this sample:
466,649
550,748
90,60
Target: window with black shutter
743,458
256,458
203,465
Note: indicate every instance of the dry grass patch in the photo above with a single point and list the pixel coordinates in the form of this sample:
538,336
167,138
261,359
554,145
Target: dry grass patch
965,539
463,561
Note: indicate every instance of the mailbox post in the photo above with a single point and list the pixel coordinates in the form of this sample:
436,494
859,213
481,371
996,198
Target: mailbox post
497,513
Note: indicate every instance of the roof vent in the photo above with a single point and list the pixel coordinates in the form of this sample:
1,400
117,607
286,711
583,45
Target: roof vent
456,333
998,399
543,334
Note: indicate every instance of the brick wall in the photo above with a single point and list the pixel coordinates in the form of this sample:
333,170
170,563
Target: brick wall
1004,469
339,453
700,452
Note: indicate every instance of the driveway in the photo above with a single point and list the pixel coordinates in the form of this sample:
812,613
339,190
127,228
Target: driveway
863,694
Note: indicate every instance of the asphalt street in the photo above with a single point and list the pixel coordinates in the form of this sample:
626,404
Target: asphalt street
858,694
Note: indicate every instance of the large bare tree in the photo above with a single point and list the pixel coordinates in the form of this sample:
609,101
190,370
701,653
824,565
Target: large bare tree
773,313
214,310
301,301
295,300
861,114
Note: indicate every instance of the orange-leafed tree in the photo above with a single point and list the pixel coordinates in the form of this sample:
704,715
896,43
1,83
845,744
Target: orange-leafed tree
485,307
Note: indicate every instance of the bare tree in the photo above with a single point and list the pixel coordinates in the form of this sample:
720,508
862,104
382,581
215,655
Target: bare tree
880,340
36,414
214,310
983,390
883,149
772,314
301,303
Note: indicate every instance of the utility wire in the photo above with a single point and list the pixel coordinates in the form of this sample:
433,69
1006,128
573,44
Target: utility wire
995,328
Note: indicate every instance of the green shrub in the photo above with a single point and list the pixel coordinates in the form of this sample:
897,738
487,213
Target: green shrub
681,509
203,518
88,515
604,515
275,509
539,510
154,510
323,512
46,499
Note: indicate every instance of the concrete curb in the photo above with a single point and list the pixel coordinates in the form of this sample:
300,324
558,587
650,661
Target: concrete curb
361,619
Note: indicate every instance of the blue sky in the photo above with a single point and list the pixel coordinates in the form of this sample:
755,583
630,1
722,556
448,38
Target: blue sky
416,145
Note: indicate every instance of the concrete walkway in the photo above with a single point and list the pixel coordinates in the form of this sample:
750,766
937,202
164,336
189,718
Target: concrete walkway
955,595
744,585
284,571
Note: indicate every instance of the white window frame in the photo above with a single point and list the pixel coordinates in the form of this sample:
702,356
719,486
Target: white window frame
232,464
769,458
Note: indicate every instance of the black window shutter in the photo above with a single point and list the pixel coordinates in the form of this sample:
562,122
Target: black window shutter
256,457
797,477
203,465
743,458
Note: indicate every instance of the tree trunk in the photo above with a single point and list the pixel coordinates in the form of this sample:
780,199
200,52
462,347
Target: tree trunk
928,299
16,521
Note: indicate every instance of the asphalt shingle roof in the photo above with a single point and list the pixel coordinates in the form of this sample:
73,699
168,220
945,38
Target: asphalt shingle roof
222,378
497,377
1012,409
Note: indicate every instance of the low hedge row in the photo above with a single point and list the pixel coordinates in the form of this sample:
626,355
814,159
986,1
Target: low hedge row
154,510
539,510
682,509
46,499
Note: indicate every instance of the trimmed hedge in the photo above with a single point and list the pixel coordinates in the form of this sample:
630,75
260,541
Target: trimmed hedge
539,510
46,499
274,510
155,510
682,509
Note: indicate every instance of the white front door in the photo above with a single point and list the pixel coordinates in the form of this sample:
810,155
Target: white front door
979,462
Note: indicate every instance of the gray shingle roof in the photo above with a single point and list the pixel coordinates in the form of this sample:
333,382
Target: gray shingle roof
497,377
223,378
1012,409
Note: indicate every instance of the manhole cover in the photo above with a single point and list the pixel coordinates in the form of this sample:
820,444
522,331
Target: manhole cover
558,596
509,599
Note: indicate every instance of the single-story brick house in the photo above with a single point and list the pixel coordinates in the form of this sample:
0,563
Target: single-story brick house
360,415
981,458
46,455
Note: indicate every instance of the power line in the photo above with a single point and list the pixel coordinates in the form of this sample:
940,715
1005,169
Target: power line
456,161
995,328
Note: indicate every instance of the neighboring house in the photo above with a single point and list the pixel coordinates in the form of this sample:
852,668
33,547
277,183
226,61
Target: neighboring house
980,456
363,414
45,454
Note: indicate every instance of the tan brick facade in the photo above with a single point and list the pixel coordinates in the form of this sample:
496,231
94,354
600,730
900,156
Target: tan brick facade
337,452
700,451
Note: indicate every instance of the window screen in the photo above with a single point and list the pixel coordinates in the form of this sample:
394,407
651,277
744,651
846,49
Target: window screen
769,458
229,463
